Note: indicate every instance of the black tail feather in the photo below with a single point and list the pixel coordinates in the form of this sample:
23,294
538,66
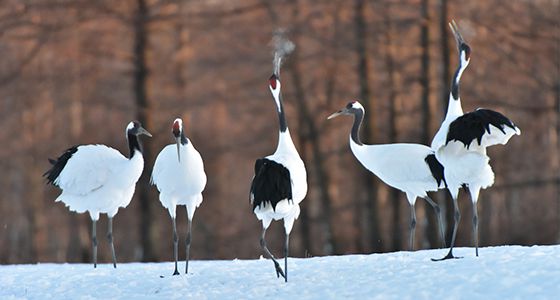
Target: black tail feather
272,183
59,164
436,168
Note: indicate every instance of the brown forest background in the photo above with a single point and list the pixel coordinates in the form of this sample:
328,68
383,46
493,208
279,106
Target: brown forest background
77,71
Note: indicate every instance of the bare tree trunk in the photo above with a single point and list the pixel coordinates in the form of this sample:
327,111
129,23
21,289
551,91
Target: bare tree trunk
444,52
425,71
557,94
304,216
75,251
181,40
313,135
321,175
143,115
330,88
432,229
443,197
332,69
391,87
368,127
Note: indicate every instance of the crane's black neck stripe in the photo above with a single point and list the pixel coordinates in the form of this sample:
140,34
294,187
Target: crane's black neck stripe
475,124
133,144
272,183
358,118
184,140
455,84
282,116
436,168
59,164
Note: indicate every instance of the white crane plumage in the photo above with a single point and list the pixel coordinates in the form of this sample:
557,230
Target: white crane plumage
411,168
279,184
460,143
99,179
179,176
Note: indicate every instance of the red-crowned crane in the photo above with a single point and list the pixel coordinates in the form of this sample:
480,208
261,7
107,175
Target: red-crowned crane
280,183
461,142
179,176
99,179
411,168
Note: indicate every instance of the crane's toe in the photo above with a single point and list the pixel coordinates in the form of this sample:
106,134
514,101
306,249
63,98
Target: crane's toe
279,271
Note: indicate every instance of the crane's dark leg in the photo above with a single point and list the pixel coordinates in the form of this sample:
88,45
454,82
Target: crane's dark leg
189,239
474,190
175,245
110,239
286,251
475,227
440,222
94,242
457,218
267,252
412,229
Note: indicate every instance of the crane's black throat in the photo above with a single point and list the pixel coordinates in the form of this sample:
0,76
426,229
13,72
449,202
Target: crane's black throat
358,118
455,84
282,116
133,144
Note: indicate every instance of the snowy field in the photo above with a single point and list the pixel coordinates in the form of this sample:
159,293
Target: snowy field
507,272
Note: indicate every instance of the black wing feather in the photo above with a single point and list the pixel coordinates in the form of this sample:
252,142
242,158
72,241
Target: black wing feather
475,124
436,168
272,183
59,164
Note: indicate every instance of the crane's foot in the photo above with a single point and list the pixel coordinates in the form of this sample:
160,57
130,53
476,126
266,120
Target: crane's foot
279,271
176,272
448,256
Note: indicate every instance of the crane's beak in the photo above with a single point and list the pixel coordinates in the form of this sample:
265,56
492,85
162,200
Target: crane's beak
178,141
336,114
143,131
458,37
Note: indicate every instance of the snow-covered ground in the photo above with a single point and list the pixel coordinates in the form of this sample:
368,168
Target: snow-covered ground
507,272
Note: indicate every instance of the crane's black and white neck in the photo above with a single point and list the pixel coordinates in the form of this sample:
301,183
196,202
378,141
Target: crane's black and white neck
464,58
133,130
356,109
275,86
285,142
454,107
180,138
